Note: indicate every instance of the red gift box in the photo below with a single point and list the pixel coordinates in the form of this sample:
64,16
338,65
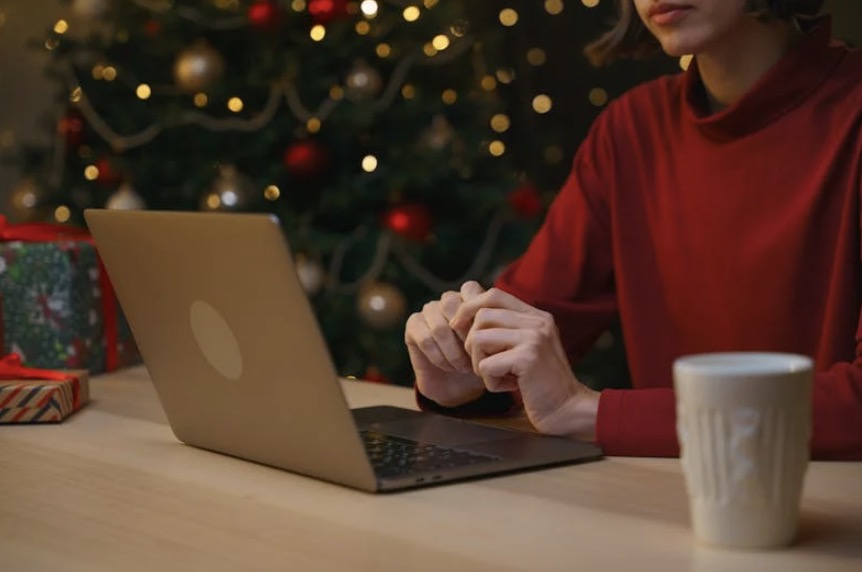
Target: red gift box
30,395
56,233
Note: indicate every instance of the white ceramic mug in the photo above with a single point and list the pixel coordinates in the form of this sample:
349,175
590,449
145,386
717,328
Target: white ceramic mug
744,425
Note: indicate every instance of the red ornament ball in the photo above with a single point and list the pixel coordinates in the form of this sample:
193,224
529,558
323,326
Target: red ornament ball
71,129
152,27
412,221
263,14
525,201
373,374
326,11
108,174
306,159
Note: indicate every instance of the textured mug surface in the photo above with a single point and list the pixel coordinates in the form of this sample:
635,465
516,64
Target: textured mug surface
744,424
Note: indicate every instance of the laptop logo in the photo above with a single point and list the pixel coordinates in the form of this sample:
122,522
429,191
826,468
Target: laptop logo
216,340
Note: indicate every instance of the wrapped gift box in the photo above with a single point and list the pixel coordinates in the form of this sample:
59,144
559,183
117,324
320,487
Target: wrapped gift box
30,395
58,307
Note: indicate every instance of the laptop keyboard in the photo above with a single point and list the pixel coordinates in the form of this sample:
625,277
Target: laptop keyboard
394,456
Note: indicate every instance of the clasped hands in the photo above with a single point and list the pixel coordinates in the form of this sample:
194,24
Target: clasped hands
478,340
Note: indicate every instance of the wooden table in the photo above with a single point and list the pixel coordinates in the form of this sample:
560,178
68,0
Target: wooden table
111,489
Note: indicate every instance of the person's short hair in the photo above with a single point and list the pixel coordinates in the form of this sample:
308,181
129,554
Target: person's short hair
629,38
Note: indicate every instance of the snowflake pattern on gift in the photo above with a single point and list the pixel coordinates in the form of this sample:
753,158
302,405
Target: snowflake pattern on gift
49,306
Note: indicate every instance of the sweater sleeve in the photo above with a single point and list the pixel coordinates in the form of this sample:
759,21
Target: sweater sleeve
642,422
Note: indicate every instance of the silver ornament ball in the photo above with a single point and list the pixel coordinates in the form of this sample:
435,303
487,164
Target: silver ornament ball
198,68
381,305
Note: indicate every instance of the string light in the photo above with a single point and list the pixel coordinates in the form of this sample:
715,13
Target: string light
235,104
91,172
369,8
201,100
497,148
500,123
598,96
505,76
429,50
313,125
508,17
336,92
440,42
369,163
554,7
450,96
297,5
489,83
75,94
408,91
590,3
383,50
430,3
411,13
317,33
542,103
62,213
61,27
362,28
536,56
143,91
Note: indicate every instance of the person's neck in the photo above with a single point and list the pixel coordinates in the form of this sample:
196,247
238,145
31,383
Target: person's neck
730,69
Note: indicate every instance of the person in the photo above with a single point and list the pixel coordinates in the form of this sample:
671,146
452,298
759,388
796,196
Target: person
717,209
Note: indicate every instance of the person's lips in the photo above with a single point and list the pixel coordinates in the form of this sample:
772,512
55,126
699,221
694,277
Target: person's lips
666,13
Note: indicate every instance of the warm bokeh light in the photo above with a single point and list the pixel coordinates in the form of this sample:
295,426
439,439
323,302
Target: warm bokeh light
317,33
554,7
363,28
408,91
383,50
411,13
429,50
298,5
440,42
369,163
336,92
143,91
61,27
91,172
313,125
590,3
505,76
450,96
508,17
201,99
497,148
542,104
500,123
75,94
110,73
598,96
369,8
62,214
235,104
536,56
489,83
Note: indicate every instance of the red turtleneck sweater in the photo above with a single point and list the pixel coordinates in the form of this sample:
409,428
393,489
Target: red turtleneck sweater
738,230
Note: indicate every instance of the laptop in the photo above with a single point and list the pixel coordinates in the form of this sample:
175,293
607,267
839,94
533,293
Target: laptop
241,367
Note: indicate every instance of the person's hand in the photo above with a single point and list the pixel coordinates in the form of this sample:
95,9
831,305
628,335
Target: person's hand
514,346
444,371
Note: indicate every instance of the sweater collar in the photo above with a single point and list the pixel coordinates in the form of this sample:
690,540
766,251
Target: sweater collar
781,88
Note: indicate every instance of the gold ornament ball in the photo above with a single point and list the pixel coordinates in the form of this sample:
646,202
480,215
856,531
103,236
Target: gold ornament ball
363,81
381,305
26,202
230,191
89,8
198,67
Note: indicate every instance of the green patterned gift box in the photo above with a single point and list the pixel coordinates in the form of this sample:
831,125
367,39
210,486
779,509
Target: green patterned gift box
58,308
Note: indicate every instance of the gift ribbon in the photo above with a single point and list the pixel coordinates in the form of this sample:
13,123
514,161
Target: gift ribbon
11,367
50,232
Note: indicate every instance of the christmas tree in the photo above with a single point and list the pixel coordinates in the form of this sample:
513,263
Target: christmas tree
374,130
